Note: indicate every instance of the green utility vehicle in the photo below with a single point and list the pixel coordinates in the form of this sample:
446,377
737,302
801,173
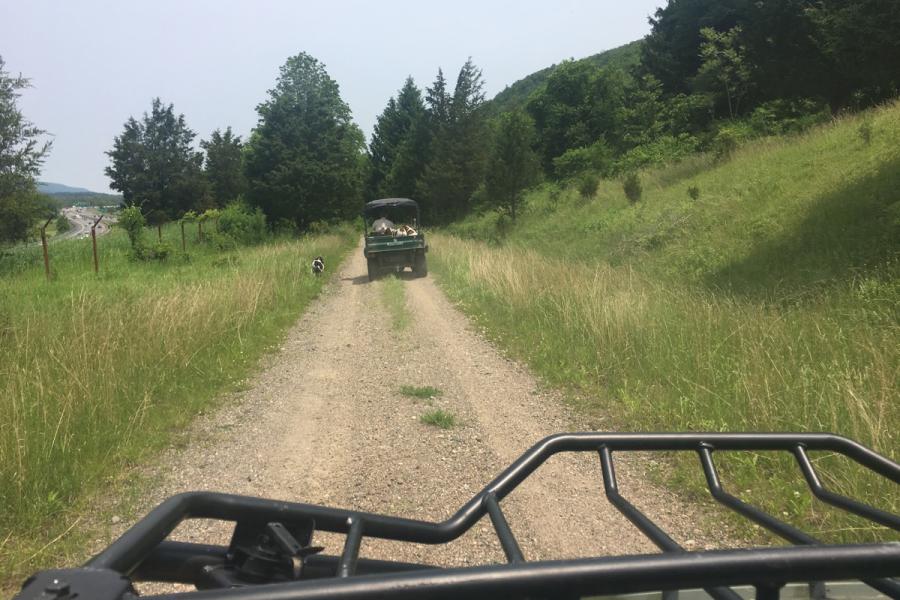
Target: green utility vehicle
393,238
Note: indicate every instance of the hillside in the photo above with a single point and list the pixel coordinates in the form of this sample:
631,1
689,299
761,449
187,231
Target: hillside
766,300
51,189
516,95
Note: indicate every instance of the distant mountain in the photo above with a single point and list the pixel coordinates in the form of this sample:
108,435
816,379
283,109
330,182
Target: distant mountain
516,95
51,189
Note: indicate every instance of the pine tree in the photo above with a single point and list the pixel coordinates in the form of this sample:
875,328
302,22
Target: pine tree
513,165
459,145
394,133
223,167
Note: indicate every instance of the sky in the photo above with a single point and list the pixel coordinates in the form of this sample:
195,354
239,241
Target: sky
92,64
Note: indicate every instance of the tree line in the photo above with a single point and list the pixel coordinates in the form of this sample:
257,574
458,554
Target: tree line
709,74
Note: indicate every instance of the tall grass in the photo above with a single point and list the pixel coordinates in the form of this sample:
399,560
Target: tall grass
665,357
97,371
771,301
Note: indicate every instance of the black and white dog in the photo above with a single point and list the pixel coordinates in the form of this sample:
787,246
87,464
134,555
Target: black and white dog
318,265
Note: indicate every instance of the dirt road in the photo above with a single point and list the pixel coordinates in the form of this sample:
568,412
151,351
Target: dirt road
323,422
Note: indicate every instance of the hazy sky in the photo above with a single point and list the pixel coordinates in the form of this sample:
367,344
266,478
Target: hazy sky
93,64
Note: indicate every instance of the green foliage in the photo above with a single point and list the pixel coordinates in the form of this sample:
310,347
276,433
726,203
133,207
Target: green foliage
161,342
458,151
21,156
304,162
516,95
132,221
439,418
587,185
154,165
726,142
781,116
865,131
242,224
398,146
422,392
662,150
223,168
770,305
62,224
632,187
513,166
598,158
578,105
693,192
724,69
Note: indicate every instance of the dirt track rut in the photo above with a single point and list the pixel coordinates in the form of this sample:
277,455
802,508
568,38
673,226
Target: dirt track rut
323,422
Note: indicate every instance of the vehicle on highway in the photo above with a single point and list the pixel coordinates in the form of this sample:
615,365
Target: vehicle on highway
393,237
272,553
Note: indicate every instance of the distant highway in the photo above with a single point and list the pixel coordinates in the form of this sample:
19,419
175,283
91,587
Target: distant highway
81,220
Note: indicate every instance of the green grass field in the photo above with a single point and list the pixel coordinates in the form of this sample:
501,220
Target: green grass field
771,302
98,371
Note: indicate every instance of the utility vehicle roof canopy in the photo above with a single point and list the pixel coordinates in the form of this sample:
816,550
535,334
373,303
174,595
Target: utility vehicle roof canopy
390,203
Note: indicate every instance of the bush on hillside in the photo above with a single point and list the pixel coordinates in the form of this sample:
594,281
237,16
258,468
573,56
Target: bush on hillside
632,187
665,149
779,117
725,142
597,157
587,185
694,192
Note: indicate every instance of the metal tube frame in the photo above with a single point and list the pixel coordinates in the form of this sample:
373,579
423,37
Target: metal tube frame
143,553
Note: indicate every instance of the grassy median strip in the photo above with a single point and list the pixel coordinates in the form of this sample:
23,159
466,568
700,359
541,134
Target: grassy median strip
393,295
96,372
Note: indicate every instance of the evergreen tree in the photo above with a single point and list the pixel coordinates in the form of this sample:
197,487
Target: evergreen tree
223,167
21,156
305,160
394,127
513,165
154,164
459,145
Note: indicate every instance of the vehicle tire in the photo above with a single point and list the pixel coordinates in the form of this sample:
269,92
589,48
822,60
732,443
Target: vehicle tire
372,269
420,267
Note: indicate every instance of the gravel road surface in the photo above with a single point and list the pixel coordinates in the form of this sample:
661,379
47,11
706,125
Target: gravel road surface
323,422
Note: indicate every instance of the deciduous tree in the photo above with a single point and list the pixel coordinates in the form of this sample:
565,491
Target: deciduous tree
305,160
21,156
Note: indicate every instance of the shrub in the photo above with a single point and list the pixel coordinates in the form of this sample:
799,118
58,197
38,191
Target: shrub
694,192
725,143
159,251
241,224
597,157
632,187
587,185
778,117
865,132
665,149
132,221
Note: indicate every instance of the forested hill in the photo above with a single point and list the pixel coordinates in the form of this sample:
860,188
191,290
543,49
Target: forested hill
516,95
